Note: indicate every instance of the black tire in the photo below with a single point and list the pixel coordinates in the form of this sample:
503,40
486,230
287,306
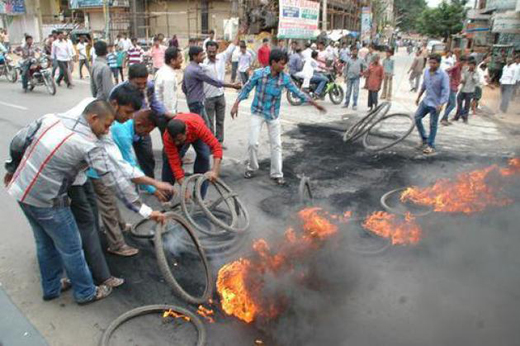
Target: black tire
148,309
293,99
11,73
357,130
50,85
162,262
395,210
305,191
236,207
145,228
336,94
394,141
366,243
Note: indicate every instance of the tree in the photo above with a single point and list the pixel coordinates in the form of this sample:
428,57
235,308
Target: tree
406,13
443,21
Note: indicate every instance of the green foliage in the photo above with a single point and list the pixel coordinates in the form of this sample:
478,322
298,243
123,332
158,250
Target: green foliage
443,21
407,12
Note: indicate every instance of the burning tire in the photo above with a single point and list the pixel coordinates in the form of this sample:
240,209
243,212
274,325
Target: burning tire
148,309
357,130
366,243
165,269
401,208
388,131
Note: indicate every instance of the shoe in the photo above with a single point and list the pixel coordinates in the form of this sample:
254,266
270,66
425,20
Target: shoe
102,292
344,106
113,282
465,121
445,122
248,174
124,251
428,151
354,108
279,181
70,86
224,147
421,146
58,83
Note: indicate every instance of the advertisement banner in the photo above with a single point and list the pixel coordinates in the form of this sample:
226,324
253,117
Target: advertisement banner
298,19
12,7
79,4
366,23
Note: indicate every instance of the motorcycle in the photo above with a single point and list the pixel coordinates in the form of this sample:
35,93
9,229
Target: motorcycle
8,69
333,89
40,74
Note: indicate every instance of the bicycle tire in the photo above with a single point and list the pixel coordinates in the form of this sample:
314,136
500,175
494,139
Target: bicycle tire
147,309
391,144
235,212
162,262
357,130
390,209
151,230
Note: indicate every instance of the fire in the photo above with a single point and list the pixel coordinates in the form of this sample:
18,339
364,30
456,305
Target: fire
208,314
469,193
240,283
402,231
171,313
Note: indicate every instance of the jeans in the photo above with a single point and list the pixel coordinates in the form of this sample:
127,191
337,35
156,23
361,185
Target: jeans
321,80
198,108
25,74
463,111
144,153
234,68
415,80
352,84
115,73
387,86
81,63
506,92
372,98
274,129
64,72
216,110
422,111
452,102
244,76
84,208
58,246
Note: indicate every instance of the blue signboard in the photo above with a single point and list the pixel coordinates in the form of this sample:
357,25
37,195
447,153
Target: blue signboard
12,7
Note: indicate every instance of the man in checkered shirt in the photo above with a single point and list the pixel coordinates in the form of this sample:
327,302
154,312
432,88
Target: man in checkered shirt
269,82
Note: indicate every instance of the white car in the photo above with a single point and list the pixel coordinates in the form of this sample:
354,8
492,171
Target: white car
431,43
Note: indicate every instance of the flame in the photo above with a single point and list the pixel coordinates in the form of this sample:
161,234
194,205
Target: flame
208,314
171,313
402,231
240,283
468,193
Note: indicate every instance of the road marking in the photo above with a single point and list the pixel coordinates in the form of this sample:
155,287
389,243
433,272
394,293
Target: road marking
13,106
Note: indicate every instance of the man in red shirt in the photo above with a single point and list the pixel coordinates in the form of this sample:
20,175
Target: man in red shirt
186,129
455,74
263,53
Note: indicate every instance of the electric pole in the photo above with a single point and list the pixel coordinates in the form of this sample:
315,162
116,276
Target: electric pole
324,16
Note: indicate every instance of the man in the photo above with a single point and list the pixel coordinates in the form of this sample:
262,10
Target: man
125,43
263,53
215,103
27,52
245,61
353,70
135,53
370,55
269,83
448,61
416,71
436,84
507,84
81,48
455,75
388,65
138,77
311,73
344,53
193,83
363,52
470,81
62,53
323,55
292,50
307,52
166,80
101,82
157,53
211,37
45,149
185,130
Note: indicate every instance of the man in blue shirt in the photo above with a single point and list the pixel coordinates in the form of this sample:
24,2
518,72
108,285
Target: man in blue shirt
436,84
269,82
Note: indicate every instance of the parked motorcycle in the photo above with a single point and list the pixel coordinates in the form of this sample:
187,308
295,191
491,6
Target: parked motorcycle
40,74
7,68
333,89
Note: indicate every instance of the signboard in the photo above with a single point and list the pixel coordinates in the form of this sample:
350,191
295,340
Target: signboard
12,7
501,5
79,4
298,19
504,23
366,23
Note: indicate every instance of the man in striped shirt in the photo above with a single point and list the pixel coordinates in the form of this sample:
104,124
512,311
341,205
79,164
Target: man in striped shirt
135,53
112,62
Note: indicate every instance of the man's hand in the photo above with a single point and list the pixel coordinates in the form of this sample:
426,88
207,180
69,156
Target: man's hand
158,217
234,111
161,196
236,85
417,101
212,176
165,188
7,178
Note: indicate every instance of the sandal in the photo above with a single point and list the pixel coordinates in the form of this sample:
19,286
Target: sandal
102,292
113,282
124,251
248,174
65,284
280,181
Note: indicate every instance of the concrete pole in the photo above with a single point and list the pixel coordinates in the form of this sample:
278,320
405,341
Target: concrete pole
324,16
40,20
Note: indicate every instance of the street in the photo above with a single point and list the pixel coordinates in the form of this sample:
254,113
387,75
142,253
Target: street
458,287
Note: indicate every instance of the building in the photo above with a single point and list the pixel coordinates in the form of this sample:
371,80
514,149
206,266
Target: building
505,21
344,14
21,17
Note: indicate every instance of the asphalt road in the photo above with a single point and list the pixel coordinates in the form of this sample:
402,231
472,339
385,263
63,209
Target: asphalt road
405,299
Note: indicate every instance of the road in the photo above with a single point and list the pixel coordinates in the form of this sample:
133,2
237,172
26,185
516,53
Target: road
63,323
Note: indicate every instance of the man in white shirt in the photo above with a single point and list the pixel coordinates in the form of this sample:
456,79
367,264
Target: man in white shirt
125,43
507,84
215,103
81,48
166,79
448,61
62,53
234,64
306,54
517,77
211,37
245,60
